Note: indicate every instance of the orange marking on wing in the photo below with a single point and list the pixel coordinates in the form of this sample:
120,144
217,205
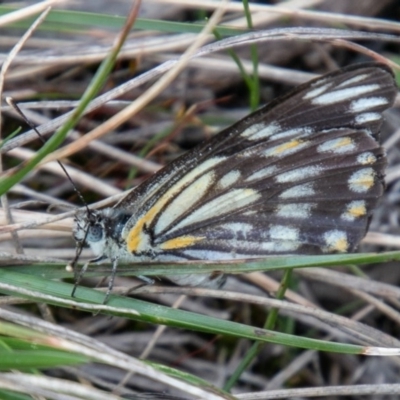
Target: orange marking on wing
181,242
136,235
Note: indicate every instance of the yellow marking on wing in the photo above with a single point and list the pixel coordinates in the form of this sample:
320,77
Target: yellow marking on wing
181,242
367,159
286,146
362,180
367,181
370,159
357,211
136,235
336,241
340,245
343,142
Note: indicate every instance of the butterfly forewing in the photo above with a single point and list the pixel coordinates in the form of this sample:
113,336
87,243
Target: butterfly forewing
301,175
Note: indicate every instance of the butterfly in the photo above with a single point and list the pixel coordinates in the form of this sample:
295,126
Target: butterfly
302,175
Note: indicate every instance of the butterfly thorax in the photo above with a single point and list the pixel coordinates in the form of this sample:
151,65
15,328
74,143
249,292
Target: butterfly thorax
101,230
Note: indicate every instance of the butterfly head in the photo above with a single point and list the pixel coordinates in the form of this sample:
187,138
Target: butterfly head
101,230
90,229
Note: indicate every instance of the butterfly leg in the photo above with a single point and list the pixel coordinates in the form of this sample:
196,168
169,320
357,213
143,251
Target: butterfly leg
78,276
111,281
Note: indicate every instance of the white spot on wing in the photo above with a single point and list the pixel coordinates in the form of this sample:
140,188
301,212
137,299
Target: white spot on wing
366,158
238,228
262,173
184,201
367,117
249,213
355,79
317,91
283,239
367,103
260,131
215,255
282,232
251,130
338,146
285,149
221,205
362,180
344,94
355,209
298,191
297,132
281,246
298,174
229,179
192,175
336,241
298,211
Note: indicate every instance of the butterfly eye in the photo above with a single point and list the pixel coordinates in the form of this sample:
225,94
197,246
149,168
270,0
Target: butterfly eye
95,233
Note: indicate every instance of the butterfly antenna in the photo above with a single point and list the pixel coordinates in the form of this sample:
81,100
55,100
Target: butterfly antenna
14,105
79,247
72,264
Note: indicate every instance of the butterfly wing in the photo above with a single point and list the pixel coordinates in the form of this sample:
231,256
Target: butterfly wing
301,175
